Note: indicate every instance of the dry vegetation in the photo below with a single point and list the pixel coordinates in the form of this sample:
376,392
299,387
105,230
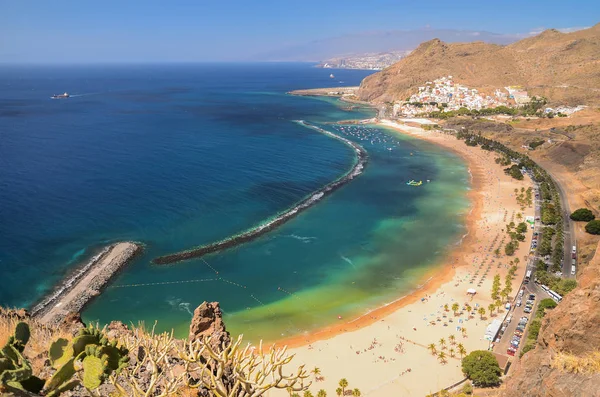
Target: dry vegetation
588,364
160,365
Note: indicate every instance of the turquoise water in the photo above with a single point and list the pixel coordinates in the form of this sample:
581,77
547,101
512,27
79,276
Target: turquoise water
183,155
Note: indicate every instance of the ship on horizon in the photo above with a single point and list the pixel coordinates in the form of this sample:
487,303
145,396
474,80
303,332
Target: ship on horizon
60,96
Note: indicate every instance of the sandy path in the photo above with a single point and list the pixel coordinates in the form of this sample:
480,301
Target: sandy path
90,284
376,351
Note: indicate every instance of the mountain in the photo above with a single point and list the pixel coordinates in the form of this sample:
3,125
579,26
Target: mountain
373,42
563,67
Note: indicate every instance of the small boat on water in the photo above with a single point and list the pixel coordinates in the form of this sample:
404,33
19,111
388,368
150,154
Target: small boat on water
60,96
412,182
331,76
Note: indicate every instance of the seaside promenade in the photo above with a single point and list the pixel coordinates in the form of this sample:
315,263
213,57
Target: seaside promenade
387,352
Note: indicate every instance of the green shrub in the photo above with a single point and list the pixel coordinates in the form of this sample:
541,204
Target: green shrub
583,215
482,368
593,227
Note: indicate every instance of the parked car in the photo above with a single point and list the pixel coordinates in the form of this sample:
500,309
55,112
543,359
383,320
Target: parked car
532,297
527,310
519,303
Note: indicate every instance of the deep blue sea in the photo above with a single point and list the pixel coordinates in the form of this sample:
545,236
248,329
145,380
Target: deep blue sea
176,156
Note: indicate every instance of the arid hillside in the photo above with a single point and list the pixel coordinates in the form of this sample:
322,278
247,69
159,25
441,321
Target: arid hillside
563,67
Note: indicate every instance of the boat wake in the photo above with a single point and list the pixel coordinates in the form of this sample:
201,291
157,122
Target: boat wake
280,219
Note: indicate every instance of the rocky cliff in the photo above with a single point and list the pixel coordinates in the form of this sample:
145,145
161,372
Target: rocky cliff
563,67
573,328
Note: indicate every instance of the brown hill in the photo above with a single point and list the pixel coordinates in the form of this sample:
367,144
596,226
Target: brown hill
564,67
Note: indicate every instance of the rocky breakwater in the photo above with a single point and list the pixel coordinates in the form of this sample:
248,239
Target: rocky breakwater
572,329
361,159
84,284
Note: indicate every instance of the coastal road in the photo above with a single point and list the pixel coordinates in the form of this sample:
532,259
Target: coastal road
568,228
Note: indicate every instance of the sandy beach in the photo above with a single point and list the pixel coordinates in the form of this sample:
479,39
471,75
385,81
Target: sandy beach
385,353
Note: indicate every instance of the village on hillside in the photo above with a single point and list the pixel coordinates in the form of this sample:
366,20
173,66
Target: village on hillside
444,95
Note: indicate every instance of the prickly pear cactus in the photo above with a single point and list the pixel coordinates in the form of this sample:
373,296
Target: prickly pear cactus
56,351
15,369
90,355
22,334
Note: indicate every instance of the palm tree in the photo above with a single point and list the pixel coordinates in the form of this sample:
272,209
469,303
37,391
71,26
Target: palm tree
316,371
343,384
481,312
446,307
451,351
308,394
455,307
442,357
491,308
463,331
461,350
452,339
356,392
443,343
322,393
339,391
498,304
468,307
432,348
289,389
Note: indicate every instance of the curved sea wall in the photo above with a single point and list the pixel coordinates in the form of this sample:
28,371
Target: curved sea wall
280,219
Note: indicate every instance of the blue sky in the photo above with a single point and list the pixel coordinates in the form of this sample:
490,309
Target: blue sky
204,30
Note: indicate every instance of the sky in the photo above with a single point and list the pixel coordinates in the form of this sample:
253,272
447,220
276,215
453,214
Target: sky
69,31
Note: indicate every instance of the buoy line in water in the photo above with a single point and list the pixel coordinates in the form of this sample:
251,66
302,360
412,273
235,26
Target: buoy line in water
164,283
280,219
179,282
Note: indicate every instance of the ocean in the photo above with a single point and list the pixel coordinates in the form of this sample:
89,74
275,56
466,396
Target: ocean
177,156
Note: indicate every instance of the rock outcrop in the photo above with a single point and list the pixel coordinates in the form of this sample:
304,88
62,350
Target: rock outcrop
208,321
573,327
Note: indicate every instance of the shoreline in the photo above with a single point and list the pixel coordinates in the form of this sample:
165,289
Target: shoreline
430,282
393,350
87,282
361,160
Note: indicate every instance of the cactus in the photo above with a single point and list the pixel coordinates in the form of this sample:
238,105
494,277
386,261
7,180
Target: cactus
57,349
90,354
95,368
15,370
